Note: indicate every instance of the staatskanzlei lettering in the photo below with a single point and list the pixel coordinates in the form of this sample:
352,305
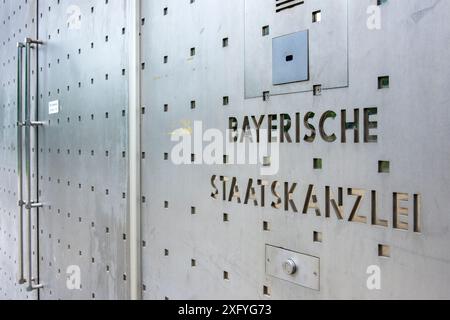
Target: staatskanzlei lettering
284,196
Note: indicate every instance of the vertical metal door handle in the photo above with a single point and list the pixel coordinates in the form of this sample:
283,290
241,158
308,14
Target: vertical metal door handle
30,205
20,47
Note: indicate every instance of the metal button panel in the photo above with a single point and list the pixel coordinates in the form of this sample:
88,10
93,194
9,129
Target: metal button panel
300,269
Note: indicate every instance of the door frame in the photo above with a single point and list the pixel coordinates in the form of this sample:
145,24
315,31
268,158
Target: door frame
134,145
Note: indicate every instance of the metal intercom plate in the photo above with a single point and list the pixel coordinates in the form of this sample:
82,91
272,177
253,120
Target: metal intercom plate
290,58
328,45
294,267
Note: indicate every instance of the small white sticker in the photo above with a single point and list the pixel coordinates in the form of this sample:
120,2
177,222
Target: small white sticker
53,107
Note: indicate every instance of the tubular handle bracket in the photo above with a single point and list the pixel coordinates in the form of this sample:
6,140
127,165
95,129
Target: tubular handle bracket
31,41
30,124
33,123
33,205
33,287
24,158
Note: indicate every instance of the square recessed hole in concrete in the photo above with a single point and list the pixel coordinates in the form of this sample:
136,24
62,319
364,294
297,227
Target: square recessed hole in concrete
318,164
317,89
318,237
226,100
317,16
384,251
384,167
383,82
